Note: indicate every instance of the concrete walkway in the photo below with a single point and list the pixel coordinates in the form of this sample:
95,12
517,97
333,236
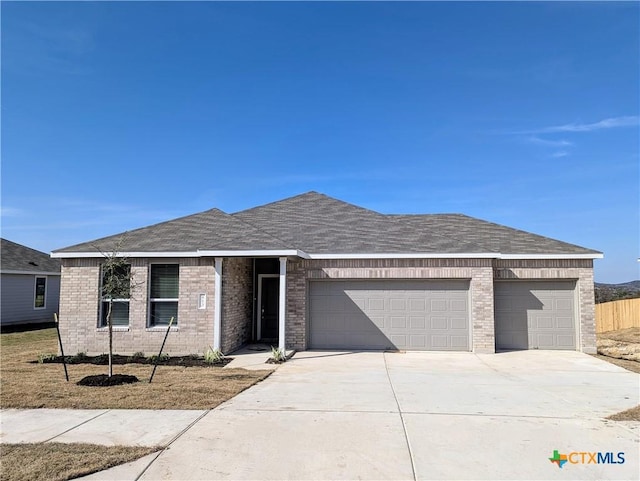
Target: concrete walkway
368,415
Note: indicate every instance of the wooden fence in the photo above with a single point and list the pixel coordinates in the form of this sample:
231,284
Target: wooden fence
615,315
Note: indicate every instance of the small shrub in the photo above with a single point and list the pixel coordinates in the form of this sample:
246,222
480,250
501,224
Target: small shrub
101,359
78,358
278,355
136,357
163,357
42,358
213,356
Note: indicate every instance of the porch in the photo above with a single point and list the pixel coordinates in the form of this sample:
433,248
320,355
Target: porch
249,302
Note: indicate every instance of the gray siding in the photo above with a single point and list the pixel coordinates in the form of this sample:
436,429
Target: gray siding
17,294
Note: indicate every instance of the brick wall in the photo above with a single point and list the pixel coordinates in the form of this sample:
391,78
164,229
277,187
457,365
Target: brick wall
237,302
79,302
79,310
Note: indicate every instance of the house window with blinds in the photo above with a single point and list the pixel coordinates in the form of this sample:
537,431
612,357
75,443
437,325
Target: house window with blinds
163,294
115,289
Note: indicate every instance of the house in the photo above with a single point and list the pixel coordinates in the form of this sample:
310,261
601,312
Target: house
313,272
29,285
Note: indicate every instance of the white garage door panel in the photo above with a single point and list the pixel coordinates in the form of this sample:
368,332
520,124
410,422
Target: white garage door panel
386,314
535,315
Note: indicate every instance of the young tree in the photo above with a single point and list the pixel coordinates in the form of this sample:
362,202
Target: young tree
117,283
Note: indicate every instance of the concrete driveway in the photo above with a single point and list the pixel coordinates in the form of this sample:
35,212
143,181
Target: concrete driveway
369,415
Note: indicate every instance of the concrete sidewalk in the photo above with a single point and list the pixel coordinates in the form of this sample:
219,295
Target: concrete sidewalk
110,427
373,415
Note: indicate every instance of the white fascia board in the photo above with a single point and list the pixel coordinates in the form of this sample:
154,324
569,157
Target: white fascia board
254,253
551,256
198,253
418,255
99,255
30,273
471,255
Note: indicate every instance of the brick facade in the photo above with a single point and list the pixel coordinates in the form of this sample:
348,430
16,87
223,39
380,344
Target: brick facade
237,303
79,299
80,307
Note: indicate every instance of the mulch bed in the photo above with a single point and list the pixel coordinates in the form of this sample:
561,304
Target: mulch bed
102,380
118,359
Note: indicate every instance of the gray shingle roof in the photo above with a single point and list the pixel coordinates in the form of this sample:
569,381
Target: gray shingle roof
209,230
493,237
318,224
19,258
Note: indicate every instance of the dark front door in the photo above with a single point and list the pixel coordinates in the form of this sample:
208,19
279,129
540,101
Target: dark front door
269,296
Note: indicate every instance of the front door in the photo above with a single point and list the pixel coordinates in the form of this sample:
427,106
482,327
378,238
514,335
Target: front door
268,305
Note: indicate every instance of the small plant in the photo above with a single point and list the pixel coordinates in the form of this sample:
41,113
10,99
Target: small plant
161,358
101,359
78,358
278,355
213,356
42,358
136,357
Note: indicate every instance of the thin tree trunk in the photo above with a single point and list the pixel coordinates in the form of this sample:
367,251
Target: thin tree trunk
110,326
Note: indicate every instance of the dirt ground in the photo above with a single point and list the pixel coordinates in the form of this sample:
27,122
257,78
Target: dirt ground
622,344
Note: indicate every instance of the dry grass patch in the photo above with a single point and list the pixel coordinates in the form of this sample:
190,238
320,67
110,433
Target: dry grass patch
60,461
632,414
29,385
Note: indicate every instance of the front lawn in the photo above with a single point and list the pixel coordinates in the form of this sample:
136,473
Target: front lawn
29,384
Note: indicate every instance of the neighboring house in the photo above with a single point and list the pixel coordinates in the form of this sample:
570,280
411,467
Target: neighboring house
29,285
314,272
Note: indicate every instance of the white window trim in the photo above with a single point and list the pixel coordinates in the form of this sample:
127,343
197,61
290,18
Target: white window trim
35,292
153,327
115,329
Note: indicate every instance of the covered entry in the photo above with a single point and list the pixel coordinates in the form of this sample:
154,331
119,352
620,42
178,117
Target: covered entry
535,315
389,314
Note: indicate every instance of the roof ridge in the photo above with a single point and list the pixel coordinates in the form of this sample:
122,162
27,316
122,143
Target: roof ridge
309,194
276,202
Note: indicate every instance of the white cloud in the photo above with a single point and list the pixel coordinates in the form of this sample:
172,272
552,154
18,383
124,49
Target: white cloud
552,143
560,153
611,123
10,212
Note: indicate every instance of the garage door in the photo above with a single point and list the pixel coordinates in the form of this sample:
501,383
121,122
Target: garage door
414,315
535,315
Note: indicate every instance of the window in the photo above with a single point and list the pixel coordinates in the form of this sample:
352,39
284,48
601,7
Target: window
163,294
115,286
40,293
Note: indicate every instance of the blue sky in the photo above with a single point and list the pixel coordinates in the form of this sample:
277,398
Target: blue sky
120,115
